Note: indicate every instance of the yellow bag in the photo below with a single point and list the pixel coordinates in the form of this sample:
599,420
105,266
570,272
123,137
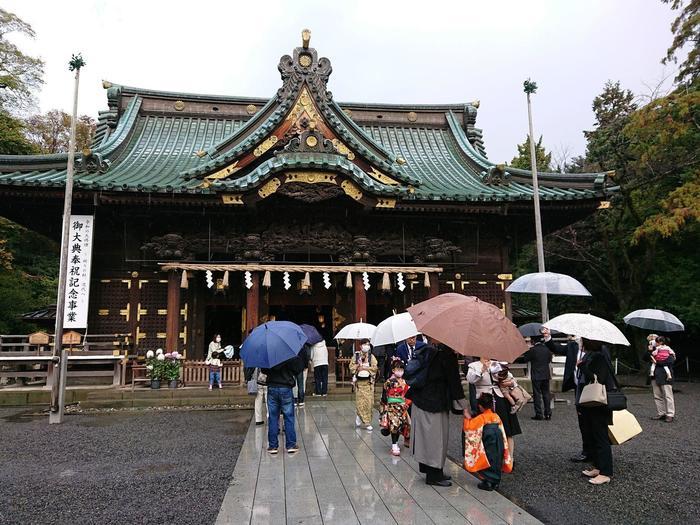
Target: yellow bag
625,426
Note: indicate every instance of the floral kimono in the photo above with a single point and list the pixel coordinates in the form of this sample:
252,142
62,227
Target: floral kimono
485,447
394,410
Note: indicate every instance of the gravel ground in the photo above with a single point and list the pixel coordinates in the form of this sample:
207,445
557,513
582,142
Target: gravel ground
145,466
656,477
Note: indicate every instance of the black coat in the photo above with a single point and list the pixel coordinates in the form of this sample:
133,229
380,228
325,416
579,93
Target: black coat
539,357
597,364
569,382
284,374
442,385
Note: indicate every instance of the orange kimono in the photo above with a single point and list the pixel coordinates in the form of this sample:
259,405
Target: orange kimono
475,454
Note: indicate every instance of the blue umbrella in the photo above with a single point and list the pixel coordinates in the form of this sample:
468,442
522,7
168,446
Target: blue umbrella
311,334
272,343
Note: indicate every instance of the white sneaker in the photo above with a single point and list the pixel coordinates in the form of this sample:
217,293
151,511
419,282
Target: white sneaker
395,450
368,427
358,421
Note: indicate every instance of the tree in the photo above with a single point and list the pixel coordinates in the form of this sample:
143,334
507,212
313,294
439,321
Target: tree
20,74
50,132
12,139
686,30
543,160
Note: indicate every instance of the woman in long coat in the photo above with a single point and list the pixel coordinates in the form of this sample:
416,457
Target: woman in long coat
430,411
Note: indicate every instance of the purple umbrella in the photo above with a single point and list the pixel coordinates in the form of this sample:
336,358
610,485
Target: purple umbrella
311,333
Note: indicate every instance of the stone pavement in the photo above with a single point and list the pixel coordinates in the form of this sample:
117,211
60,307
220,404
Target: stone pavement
344,475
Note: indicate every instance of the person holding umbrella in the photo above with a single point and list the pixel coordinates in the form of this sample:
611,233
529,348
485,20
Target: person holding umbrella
274,348
363,367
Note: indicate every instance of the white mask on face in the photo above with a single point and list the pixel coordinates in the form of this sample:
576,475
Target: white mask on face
398,373
218,339
365,348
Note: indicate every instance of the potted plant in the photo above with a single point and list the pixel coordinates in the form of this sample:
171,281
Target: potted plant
171,367
155,367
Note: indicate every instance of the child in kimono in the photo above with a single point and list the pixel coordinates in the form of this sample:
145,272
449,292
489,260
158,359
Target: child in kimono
485,446
510,389
394,417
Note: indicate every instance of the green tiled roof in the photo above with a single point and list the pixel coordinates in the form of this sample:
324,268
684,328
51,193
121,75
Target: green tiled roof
149,148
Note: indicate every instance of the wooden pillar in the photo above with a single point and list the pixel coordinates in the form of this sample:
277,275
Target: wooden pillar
360,298
434,289
172,322
252,304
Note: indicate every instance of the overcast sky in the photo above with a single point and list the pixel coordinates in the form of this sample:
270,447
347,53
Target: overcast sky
381,51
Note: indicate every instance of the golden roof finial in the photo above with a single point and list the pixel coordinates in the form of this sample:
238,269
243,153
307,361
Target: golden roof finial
305,38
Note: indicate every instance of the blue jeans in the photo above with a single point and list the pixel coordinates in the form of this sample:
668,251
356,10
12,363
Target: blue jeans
279,399
214,377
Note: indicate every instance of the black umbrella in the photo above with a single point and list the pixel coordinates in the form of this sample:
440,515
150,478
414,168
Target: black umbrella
311,333
533,330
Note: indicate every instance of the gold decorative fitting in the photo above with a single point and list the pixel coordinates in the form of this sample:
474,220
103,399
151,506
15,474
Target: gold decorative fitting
179,105
351,189
343,149
200,153
251,109
266,145
311,141
269,188
162,311
412,117
400,160
106,84
604,205
232,198
305,38
221,174
161,335
86,152
505,276
381,177
348,112
103,311
304,104
304,60
310,177
386,203
476,103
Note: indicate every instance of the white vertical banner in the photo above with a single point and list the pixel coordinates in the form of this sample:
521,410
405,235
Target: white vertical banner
78,278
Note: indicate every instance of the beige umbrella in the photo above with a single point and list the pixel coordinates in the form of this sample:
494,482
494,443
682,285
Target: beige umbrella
469,326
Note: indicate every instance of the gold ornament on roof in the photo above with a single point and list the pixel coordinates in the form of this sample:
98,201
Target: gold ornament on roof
269,188
400,160
351,189
305,38
251,109
342,149
311,141
179,105
266,145
381,177
304,60
303,105
412,116
221,174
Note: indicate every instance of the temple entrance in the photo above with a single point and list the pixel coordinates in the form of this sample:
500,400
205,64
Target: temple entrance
224,320
318,316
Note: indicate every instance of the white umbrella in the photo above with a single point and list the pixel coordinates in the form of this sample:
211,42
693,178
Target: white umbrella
654,320
394,329
549,283
356,331
588,326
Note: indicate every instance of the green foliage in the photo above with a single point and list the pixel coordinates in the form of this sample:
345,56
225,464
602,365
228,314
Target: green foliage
171,368
542,158
686,32
50,132
20,73
12,138
28,277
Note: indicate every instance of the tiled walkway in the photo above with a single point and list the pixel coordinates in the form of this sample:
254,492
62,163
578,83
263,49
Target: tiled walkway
346,475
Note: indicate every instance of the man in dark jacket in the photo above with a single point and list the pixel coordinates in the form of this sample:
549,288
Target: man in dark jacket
406,349
540,357
280,381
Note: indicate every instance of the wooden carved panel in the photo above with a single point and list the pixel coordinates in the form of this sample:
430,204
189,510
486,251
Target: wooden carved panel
109,306
152,312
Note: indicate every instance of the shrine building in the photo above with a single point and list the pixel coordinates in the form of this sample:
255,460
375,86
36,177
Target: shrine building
215,213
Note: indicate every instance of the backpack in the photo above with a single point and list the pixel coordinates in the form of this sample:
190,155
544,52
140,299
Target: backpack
416,373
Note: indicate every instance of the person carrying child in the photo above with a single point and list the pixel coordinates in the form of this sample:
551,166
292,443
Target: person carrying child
662,355
394,418
215,367
510,389
485,446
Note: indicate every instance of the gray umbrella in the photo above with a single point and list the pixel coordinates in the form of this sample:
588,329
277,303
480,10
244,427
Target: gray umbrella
654,320
549,283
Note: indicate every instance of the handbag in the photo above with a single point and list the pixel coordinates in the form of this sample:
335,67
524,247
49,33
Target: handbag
625,426
262,379
252,387
616,398
593,394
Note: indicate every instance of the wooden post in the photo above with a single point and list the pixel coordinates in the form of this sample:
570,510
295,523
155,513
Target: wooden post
252,304
434,289
360,298
172,323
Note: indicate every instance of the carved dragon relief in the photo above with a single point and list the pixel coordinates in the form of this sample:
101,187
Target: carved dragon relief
268,243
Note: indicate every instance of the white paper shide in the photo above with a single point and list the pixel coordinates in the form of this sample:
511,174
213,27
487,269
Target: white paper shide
78,279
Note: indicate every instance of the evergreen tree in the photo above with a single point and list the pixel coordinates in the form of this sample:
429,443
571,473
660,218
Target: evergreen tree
543,160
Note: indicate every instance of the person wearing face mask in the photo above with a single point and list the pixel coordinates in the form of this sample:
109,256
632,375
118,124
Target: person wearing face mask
482,374
394,418
214,346
363,367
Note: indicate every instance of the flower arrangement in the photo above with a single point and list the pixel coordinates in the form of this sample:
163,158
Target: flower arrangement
171,366
155,365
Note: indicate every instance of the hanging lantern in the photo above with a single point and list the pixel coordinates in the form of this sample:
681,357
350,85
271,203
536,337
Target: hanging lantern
386,283
348,280
365,280
248,278
426,280
225,280
183,281
326,280
210,279
399,282
267,280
